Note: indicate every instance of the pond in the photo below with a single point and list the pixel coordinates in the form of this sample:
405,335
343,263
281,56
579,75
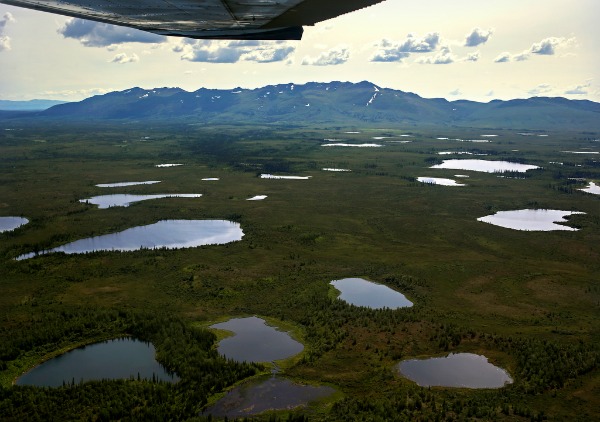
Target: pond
10,223
257,198
465,370
124,184
366,145
439,181
169,165
334,169
592,188
360,292
114,359
169,234
530,220
484,166
275,393
255,341
271,176
124,200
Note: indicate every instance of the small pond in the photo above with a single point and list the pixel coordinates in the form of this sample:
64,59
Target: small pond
124,184
439,181
257,198
334,169
169,165
113,359
170,234
271,176
484,166
530,220
592,188
275,393
255,341
360,292
366,145
465,370
124,200
210,179
10,223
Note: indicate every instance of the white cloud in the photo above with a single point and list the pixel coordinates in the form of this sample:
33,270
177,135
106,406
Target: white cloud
394,51
233,51
579,89
444,56
540,89
455,93
502,58
123,58
477,37
5,40
78,93
334,56
472,57
546,47
96,34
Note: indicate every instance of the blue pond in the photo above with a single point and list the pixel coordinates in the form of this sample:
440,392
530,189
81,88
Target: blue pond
360,292
255,341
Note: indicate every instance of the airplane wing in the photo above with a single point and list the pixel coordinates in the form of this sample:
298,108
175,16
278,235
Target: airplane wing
211,19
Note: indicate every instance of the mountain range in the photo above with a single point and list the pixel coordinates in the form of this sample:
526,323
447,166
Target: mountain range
346,103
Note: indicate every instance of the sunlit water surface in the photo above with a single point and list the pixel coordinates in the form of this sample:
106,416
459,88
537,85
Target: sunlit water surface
439,181
484,166
169,234
124,184
124,200
530,220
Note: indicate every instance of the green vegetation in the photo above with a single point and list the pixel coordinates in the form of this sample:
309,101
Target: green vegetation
529,301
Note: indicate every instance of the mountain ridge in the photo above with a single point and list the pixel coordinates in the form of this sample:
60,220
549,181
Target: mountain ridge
327,103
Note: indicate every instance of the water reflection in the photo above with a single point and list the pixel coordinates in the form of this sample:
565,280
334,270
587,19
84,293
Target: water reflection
255,341
360,292
484,166
10,223
113,359
124,200
271,394
592,188
439,181
170,234
257,198
271,176
455,370
530,220
124,184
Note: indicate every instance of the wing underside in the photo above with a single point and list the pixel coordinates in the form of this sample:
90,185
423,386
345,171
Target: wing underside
222,19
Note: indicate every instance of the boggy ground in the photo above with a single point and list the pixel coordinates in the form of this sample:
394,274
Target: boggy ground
529,301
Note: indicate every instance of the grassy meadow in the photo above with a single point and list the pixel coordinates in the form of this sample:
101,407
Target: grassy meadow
529,301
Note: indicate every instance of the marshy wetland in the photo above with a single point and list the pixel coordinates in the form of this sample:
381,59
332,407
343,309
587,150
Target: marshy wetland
529,301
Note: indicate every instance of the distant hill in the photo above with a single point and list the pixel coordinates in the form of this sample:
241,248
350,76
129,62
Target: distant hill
342,103
31,105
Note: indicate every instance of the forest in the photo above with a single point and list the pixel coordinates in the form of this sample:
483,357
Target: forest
529,301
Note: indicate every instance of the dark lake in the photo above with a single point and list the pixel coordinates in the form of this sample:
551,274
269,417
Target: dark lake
170,234
360,292
255,341
465,370
113,359
274,393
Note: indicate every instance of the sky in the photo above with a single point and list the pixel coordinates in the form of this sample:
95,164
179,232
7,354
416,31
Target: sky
453,49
